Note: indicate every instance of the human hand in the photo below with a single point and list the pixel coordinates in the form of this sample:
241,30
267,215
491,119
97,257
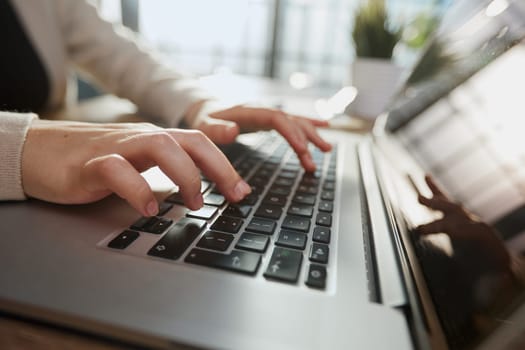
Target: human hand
458,223
223,126
74,163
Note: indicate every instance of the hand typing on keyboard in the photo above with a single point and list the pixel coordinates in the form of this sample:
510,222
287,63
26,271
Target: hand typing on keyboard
223,126
282,230
71,163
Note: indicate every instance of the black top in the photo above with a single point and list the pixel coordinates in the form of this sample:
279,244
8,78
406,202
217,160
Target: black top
24,84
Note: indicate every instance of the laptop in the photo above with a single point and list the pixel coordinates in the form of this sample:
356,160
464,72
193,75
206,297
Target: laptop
344,258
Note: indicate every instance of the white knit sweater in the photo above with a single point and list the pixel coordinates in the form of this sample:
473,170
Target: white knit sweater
69,34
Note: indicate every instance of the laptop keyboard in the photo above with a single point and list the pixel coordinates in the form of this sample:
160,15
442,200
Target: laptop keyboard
282,228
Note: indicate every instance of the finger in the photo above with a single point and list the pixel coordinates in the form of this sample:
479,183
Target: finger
438,226
162,149
317,123
438,203
309,128
218,130
264,118
114,173
214,164
284,125
294,135
433,186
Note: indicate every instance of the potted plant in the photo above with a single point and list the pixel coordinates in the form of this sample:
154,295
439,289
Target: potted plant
374,74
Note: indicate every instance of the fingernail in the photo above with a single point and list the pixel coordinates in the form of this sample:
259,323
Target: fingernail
152,208
308,157
231,128
241,190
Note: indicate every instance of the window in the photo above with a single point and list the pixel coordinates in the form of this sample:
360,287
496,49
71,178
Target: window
258,37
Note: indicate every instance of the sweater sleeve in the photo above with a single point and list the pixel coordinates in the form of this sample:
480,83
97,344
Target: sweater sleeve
120,63
13,131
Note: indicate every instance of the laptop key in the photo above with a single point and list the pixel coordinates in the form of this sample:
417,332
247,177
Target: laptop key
141,223
288,174
158,225
330,177
205,185
324,219
237,260
205,213
291,239
175,198
326,206
327,195
329,186
164,207
301,210
250,199
178,238
269,211
284,265
238,210
215,241
152,224
319,253
123,240
275,199
316,276
214,199
321,234
227,224
307,189
261,226
304,199
296,223
309,181
253,242
279,190
282,181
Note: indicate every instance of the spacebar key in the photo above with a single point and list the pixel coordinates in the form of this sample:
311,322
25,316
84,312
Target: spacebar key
237,261
178,238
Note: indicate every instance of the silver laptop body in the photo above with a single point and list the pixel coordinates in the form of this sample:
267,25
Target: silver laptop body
380,291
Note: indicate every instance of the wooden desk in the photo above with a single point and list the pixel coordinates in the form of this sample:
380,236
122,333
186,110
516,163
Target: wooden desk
16,334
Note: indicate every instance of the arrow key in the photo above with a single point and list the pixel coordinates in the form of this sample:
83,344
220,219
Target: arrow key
236,261
319,253
284,265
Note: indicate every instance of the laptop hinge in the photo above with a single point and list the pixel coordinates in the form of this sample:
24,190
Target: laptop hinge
389,286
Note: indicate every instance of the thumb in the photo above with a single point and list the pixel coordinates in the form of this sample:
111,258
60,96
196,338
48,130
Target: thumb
219,130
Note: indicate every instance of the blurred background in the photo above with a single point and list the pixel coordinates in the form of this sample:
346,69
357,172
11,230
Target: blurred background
303,42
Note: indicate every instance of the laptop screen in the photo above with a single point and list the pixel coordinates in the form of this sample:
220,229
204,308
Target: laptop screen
461,117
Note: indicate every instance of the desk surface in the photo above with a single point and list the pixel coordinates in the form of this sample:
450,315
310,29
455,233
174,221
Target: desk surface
18,333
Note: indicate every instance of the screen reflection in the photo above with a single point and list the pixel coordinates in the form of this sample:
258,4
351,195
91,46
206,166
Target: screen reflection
461,119
473,278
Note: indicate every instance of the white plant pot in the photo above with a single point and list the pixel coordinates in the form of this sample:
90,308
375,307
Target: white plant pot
376,81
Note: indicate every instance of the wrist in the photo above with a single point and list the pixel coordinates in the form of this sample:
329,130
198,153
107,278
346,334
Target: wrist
13,133
200,110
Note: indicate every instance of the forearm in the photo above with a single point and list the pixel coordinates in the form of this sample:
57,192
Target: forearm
124,66
13,131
